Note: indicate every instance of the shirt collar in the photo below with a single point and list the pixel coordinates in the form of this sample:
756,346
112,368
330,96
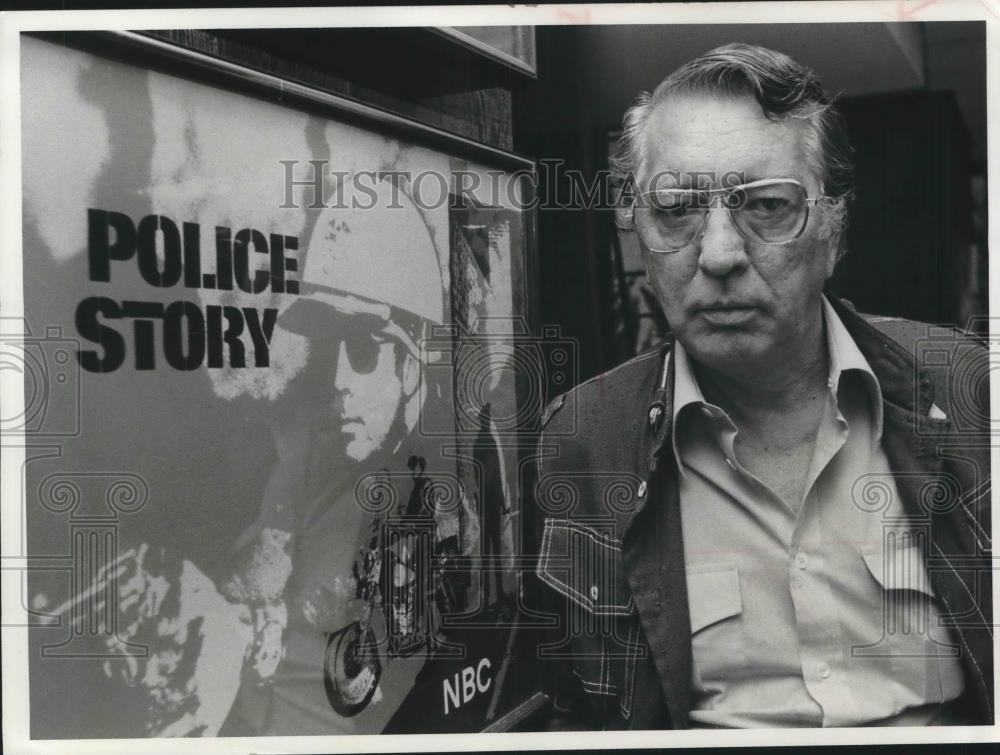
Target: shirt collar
687,392
844,356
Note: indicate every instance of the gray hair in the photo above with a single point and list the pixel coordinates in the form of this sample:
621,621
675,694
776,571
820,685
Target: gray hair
783,88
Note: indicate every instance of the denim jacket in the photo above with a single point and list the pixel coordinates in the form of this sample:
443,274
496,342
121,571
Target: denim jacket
611,553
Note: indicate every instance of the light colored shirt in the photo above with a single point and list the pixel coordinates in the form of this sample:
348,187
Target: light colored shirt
816,614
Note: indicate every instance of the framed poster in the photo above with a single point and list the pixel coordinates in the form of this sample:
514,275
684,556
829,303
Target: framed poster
273,332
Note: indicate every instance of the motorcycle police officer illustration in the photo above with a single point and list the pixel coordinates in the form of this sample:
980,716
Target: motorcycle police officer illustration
325,589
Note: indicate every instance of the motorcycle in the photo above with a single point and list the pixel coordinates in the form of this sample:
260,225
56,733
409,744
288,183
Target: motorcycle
397,610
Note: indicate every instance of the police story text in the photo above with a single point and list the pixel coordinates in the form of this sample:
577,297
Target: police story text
188,335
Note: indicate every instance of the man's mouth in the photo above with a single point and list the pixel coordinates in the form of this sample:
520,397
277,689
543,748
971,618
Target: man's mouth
729,314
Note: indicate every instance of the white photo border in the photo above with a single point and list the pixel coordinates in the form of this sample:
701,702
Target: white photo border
12,538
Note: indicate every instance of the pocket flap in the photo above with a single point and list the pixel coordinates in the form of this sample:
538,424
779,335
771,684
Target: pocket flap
585,565
899,568
713,594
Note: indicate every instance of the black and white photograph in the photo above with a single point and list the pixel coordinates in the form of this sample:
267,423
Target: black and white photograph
498,377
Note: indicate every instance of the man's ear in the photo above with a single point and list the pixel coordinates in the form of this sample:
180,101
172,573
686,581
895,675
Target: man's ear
833,254
411,375
410,385
832,233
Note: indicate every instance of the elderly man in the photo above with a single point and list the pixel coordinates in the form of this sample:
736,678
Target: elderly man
807,538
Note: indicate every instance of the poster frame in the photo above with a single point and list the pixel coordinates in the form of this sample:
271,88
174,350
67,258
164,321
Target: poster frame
143,50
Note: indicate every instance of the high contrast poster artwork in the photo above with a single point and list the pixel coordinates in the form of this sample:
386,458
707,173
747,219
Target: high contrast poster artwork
282,495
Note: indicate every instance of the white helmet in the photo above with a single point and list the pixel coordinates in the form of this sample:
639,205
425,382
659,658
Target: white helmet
378,261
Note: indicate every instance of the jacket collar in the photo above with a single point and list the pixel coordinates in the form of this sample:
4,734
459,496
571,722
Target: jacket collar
894,367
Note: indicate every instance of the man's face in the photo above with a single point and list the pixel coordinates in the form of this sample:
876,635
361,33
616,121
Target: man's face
729,300
366,398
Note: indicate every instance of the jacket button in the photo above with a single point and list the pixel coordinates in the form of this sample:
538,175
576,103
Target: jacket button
593,592
641,491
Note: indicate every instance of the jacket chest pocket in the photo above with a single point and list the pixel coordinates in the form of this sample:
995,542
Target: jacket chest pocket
601,635
717,641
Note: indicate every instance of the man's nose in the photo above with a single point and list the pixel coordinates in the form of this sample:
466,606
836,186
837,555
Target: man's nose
343,372
721,248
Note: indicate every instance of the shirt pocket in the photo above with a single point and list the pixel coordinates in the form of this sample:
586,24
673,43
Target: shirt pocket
602,636
919,651
717,639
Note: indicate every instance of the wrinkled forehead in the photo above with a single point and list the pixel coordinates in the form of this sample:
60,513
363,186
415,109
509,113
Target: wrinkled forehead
702,140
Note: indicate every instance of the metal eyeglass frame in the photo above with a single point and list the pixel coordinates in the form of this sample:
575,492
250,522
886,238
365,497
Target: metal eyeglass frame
809,202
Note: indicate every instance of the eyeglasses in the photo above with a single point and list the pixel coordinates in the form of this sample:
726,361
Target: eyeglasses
771,211
362,352
362,343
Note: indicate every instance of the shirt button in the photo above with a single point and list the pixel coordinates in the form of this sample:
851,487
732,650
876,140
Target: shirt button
593,592
824,671
801,560
641,491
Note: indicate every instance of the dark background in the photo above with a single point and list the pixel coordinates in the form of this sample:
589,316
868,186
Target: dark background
914,99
